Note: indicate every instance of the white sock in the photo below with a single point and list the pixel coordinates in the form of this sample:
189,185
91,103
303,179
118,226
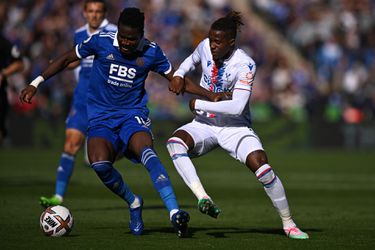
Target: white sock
178,151
136,203
59,197
172,212
275,191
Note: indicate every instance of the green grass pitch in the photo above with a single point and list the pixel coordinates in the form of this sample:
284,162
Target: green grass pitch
331,194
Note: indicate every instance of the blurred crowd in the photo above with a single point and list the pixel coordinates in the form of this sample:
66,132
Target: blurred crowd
336,38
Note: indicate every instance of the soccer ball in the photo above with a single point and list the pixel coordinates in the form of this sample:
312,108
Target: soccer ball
56,221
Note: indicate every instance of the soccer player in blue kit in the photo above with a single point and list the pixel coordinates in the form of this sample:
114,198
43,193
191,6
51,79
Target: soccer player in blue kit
117,111
94,12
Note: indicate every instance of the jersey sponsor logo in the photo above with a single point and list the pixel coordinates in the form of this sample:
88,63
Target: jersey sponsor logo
122,74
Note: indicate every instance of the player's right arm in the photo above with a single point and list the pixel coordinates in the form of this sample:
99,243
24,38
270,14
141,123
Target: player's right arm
55,67
178,85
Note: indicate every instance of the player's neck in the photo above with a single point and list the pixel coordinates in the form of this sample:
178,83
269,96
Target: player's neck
92,30
219,62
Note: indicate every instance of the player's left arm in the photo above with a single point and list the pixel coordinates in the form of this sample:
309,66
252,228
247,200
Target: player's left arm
240,97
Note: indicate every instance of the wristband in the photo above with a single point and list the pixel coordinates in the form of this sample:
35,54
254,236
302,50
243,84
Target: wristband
37,81
179,73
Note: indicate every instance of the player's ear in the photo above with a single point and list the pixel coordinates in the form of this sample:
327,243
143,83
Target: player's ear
232,41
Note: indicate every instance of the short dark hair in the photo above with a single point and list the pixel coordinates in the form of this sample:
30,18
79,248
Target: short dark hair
230,24
95,1
132,17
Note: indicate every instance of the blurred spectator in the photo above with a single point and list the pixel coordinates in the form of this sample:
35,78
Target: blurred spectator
336,36
10,63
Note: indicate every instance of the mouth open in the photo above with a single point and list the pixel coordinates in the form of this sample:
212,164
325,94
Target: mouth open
125,50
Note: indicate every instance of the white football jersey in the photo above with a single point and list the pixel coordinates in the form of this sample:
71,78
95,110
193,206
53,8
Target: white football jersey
236,73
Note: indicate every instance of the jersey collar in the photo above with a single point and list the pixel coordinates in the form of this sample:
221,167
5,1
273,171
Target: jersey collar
104,23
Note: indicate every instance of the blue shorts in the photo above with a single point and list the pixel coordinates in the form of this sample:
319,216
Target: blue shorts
77,117
118,131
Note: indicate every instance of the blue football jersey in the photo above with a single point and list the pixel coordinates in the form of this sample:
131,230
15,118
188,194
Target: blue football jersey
81,35
116,86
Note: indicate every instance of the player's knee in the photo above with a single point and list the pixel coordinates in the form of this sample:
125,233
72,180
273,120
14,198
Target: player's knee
102,168
71,147
176,147
266,175
256,159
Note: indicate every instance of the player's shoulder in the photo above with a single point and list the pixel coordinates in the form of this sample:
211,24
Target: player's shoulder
105,34
240,57
150,46
110,27
204,44
81,30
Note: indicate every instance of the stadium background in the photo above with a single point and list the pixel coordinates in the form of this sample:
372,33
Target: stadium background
315,63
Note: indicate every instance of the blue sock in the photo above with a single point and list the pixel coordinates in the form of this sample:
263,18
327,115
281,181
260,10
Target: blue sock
64,171
113,180
159,177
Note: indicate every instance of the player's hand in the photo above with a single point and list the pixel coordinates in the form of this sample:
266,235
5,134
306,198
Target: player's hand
27,94
192,105
177,85
220,96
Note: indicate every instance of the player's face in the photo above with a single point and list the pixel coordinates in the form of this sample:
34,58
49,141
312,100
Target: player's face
94,14
221,46
128,39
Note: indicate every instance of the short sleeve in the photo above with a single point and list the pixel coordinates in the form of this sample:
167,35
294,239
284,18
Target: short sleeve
161,63
87,47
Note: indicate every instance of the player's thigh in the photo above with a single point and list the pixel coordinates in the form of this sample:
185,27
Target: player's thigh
102,144
77,117
203,135
239,142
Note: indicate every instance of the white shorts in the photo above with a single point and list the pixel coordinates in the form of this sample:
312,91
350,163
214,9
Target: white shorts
239,142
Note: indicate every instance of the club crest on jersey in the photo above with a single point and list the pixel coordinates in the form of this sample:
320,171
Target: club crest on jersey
120,75
140,62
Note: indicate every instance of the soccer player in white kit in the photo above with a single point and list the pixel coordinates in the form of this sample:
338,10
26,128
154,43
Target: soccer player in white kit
227,123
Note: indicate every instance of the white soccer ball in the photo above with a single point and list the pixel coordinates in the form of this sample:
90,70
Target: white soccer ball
56,221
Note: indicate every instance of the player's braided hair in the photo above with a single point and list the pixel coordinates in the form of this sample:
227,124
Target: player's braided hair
96,1
230,24
132,17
